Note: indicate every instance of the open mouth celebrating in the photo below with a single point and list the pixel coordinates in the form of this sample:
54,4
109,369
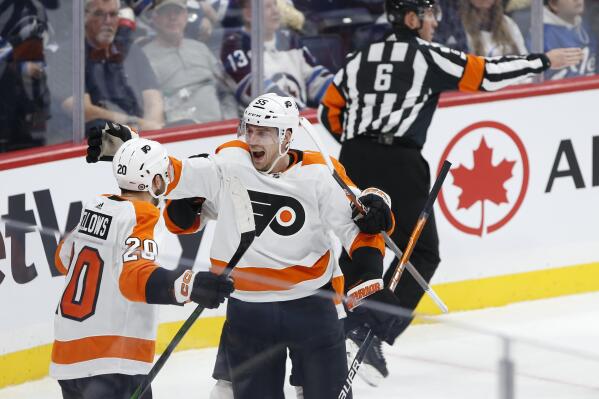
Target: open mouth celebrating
258,155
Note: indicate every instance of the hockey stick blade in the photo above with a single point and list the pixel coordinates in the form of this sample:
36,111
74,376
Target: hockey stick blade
352,197
244,218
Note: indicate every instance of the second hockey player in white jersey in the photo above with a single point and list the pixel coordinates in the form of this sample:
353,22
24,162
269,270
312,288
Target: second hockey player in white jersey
276,306
105,324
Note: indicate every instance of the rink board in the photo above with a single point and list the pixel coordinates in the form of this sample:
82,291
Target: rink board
527,232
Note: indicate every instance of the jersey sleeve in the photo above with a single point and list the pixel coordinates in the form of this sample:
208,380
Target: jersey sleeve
337,214
469,73
64,254
139,258
141,279
183,217
195,177
332,105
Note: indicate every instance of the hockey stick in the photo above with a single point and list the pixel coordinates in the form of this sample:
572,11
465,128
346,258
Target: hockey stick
422,218
352,197
244,217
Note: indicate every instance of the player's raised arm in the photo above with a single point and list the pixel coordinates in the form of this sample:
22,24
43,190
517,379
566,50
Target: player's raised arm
194,177
363,276
467,72
142,167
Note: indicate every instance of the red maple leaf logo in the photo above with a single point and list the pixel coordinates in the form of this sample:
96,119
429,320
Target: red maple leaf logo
484,181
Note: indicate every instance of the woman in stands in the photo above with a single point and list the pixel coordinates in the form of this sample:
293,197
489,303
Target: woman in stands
488,30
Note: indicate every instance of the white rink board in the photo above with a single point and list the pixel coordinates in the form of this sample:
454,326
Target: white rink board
550,229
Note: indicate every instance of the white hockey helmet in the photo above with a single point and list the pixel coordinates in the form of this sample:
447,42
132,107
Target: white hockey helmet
271,110
136,163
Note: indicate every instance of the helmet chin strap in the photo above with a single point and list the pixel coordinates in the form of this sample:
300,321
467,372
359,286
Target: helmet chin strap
281,155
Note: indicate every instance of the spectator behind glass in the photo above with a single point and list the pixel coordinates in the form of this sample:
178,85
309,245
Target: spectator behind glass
563,27
489,31
287,71
118,87
291,17
24,94
520,12
204,17
189,76
592,16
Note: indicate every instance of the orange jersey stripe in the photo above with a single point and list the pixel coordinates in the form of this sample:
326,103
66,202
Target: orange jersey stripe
233,143
368,240
392,229
58,262
266,279
473,74
135,274
175,173
90,348
334,102
338,283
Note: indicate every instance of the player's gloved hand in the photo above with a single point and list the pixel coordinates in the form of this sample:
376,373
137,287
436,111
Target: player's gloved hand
103,142
385,325
378,215
208,289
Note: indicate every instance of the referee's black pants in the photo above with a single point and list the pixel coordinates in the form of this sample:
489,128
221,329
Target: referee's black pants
404,174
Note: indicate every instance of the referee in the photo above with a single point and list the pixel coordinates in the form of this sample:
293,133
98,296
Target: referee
380,105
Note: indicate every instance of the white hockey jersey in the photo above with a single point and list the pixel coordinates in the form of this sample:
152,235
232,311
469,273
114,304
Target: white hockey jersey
291,256
102,323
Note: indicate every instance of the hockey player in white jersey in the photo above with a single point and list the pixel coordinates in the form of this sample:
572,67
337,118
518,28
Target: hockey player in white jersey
106,322
275,306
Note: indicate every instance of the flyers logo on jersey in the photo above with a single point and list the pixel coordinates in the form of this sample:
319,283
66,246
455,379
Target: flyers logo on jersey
284,215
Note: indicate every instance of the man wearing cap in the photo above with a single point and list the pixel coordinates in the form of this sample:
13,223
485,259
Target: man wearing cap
189,76
120,85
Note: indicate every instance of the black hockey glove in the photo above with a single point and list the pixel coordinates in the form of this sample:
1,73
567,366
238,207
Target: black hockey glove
385,325
103,142
378,216
210,290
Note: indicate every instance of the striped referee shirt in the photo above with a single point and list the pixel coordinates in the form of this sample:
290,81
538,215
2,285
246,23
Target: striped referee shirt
392,87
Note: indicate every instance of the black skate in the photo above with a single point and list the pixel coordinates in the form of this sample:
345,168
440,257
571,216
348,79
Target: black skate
374,367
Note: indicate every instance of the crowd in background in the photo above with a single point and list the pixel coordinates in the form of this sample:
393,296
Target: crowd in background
161,63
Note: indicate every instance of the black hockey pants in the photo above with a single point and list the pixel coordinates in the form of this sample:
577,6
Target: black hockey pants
256,337
114,386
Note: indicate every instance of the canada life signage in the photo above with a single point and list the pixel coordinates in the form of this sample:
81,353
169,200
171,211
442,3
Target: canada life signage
488,179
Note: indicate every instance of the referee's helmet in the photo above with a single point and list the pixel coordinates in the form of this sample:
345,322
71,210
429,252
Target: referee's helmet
397,9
